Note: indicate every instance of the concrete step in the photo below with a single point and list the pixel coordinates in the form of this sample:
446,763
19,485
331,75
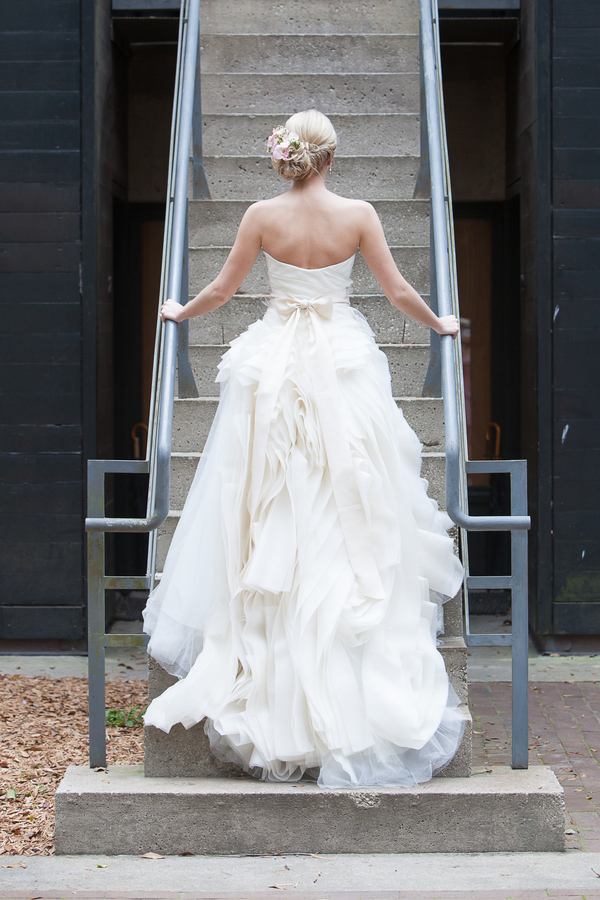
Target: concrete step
192,420
301,17
122,812
408,365
359,177
215,223
340,54
222,325
239,134
262,94
206,262
187,753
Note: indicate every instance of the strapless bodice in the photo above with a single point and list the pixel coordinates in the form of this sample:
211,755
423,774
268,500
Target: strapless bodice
297,283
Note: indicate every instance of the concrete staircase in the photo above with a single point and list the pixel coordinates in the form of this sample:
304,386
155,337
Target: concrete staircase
358,63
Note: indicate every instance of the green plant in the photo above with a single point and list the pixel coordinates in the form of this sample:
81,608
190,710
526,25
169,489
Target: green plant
123,719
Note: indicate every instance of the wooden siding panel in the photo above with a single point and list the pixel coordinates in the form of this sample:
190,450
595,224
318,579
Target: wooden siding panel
41,135
39,376
44,258
40,15
41,465
40,165
34,227
40,318
577,42
65,622
569,72
45,349
49,438
42,468
582,14
39,407
39,45
39,287
576,194
21,527
581,102
39,75
577,163
51,588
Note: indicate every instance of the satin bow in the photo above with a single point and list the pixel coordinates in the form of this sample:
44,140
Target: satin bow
335,436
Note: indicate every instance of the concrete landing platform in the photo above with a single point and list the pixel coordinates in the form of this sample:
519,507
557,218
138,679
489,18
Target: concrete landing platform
122,812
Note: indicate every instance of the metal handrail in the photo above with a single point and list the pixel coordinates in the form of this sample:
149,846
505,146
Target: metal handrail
435,175
157,464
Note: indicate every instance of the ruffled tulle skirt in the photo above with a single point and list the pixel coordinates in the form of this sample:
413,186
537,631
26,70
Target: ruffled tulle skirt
258,611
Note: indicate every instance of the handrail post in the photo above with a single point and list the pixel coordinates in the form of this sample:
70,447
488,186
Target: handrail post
520,623
200,189
186,383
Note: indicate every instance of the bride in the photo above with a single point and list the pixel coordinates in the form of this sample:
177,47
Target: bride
299,600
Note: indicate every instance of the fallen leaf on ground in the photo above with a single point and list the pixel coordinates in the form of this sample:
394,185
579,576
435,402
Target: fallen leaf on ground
14,866
152,856
101,866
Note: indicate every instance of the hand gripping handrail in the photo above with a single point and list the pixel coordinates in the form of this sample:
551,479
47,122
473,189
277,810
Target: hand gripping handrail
435,170
157,464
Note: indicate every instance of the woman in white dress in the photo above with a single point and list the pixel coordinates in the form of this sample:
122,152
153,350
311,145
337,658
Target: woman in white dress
299,600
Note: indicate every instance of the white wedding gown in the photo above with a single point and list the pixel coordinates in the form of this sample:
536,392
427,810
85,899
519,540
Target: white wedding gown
299,600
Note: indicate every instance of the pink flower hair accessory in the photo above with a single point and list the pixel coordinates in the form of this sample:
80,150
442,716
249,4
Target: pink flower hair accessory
282,142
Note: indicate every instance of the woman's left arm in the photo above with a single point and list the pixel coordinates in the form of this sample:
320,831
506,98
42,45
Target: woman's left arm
237,265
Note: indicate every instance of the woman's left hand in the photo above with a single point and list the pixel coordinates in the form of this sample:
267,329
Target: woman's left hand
173,311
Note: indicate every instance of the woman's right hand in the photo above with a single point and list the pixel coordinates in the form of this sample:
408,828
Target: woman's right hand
173,311
448,325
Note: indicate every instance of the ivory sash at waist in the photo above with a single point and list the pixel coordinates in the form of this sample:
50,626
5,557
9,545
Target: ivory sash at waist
335,436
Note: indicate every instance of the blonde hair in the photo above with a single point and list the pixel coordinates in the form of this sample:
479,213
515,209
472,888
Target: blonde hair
320,142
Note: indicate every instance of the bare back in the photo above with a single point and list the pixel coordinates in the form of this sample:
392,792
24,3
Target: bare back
310,229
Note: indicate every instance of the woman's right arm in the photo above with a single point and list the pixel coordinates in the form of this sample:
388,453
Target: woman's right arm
237,265
399,292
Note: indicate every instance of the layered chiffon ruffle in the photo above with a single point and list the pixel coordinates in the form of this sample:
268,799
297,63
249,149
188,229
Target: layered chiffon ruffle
259,612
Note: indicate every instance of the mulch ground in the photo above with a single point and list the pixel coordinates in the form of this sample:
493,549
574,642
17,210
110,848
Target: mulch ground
44,729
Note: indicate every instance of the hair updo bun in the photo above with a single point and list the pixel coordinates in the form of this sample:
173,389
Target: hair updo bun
319,143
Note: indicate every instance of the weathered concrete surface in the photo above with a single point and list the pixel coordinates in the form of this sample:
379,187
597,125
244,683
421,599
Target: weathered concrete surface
343,876
122,812
263,94
316,54
359,177
309,17
375,136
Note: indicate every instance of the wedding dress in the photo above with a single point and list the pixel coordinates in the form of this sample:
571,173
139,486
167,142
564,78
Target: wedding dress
299,600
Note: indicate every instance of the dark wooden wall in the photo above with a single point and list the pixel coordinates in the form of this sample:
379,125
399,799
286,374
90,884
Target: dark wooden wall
41,484
576,335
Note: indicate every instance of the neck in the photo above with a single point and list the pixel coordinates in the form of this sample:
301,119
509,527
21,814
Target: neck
315,183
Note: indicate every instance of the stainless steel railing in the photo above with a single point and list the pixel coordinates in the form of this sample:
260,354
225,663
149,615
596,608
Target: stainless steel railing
434,179
186,122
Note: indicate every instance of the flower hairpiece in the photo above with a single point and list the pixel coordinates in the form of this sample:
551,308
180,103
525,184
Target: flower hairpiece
282,142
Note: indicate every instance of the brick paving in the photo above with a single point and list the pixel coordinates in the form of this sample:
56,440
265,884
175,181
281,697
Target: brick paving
564,733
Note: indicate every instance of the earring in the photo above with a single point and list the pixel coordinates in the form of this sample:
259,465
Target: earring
330,165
